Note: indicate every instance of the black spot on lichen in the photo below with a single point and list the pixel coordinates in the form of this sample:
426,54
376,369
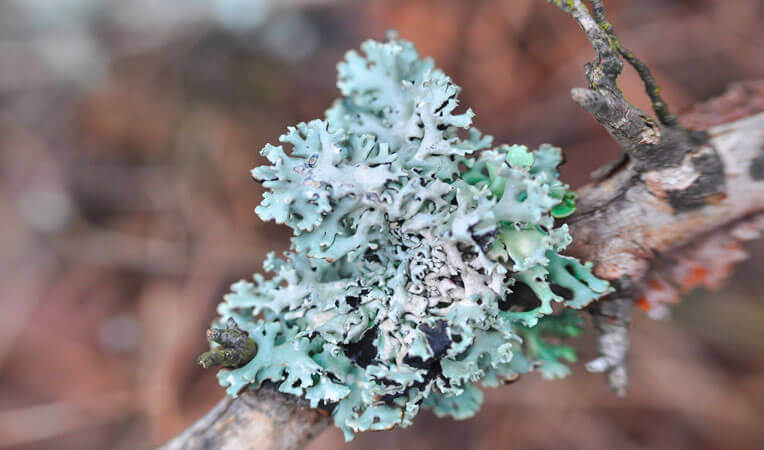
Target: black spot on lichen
387,381
562,291
363,351
521,299
485,240
709,183
439,342
417,362
442,105
353,301
371,257
334,378
457,280
437,337
757,166
434,371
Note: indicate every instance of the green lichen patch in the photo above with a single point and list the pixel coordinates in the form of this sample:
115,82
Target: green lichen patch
423,262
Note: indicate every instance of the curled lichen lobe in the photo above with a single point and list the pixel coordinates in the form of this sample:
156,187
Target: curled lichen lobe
410,237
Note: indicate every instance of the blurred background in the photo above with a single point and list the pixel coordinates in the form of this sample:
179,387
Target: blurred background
127,131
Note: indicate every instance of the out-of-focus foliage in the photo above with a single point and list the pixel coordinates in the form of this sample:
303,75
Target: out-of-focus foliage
417,253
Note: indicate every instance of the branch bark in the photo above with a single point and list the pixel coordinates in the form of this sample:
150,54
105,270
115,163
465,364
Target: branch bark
670,185
264,419
630,221
626,220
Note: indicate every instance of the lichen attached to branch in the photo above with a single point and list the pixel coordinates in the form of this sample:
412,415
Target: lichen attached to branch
422,260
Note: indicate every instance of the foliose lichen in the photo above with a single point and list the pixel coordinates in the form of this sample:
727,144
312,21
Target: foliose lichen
422,263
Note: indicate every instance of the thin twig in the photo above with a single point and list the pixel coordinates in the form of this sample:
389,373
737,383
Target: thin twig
651,86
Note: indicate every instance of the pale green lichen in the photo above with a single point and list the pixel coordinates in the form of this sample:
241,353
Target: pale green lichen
422,261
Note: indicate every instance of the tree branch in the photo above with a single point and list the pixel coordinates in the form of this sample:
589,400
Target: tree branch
651,86
649,143
264,419
670,185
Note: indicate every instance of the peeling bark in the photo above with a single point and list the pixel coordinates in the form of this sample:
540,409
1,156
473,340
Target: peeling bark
628,222
624,222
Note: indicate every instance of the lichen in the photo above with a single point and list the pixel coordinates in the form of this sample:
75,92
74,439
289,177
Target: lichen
422,262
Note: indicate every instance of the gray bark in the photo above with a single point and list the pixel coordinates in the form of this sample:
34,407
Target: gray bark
256,420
